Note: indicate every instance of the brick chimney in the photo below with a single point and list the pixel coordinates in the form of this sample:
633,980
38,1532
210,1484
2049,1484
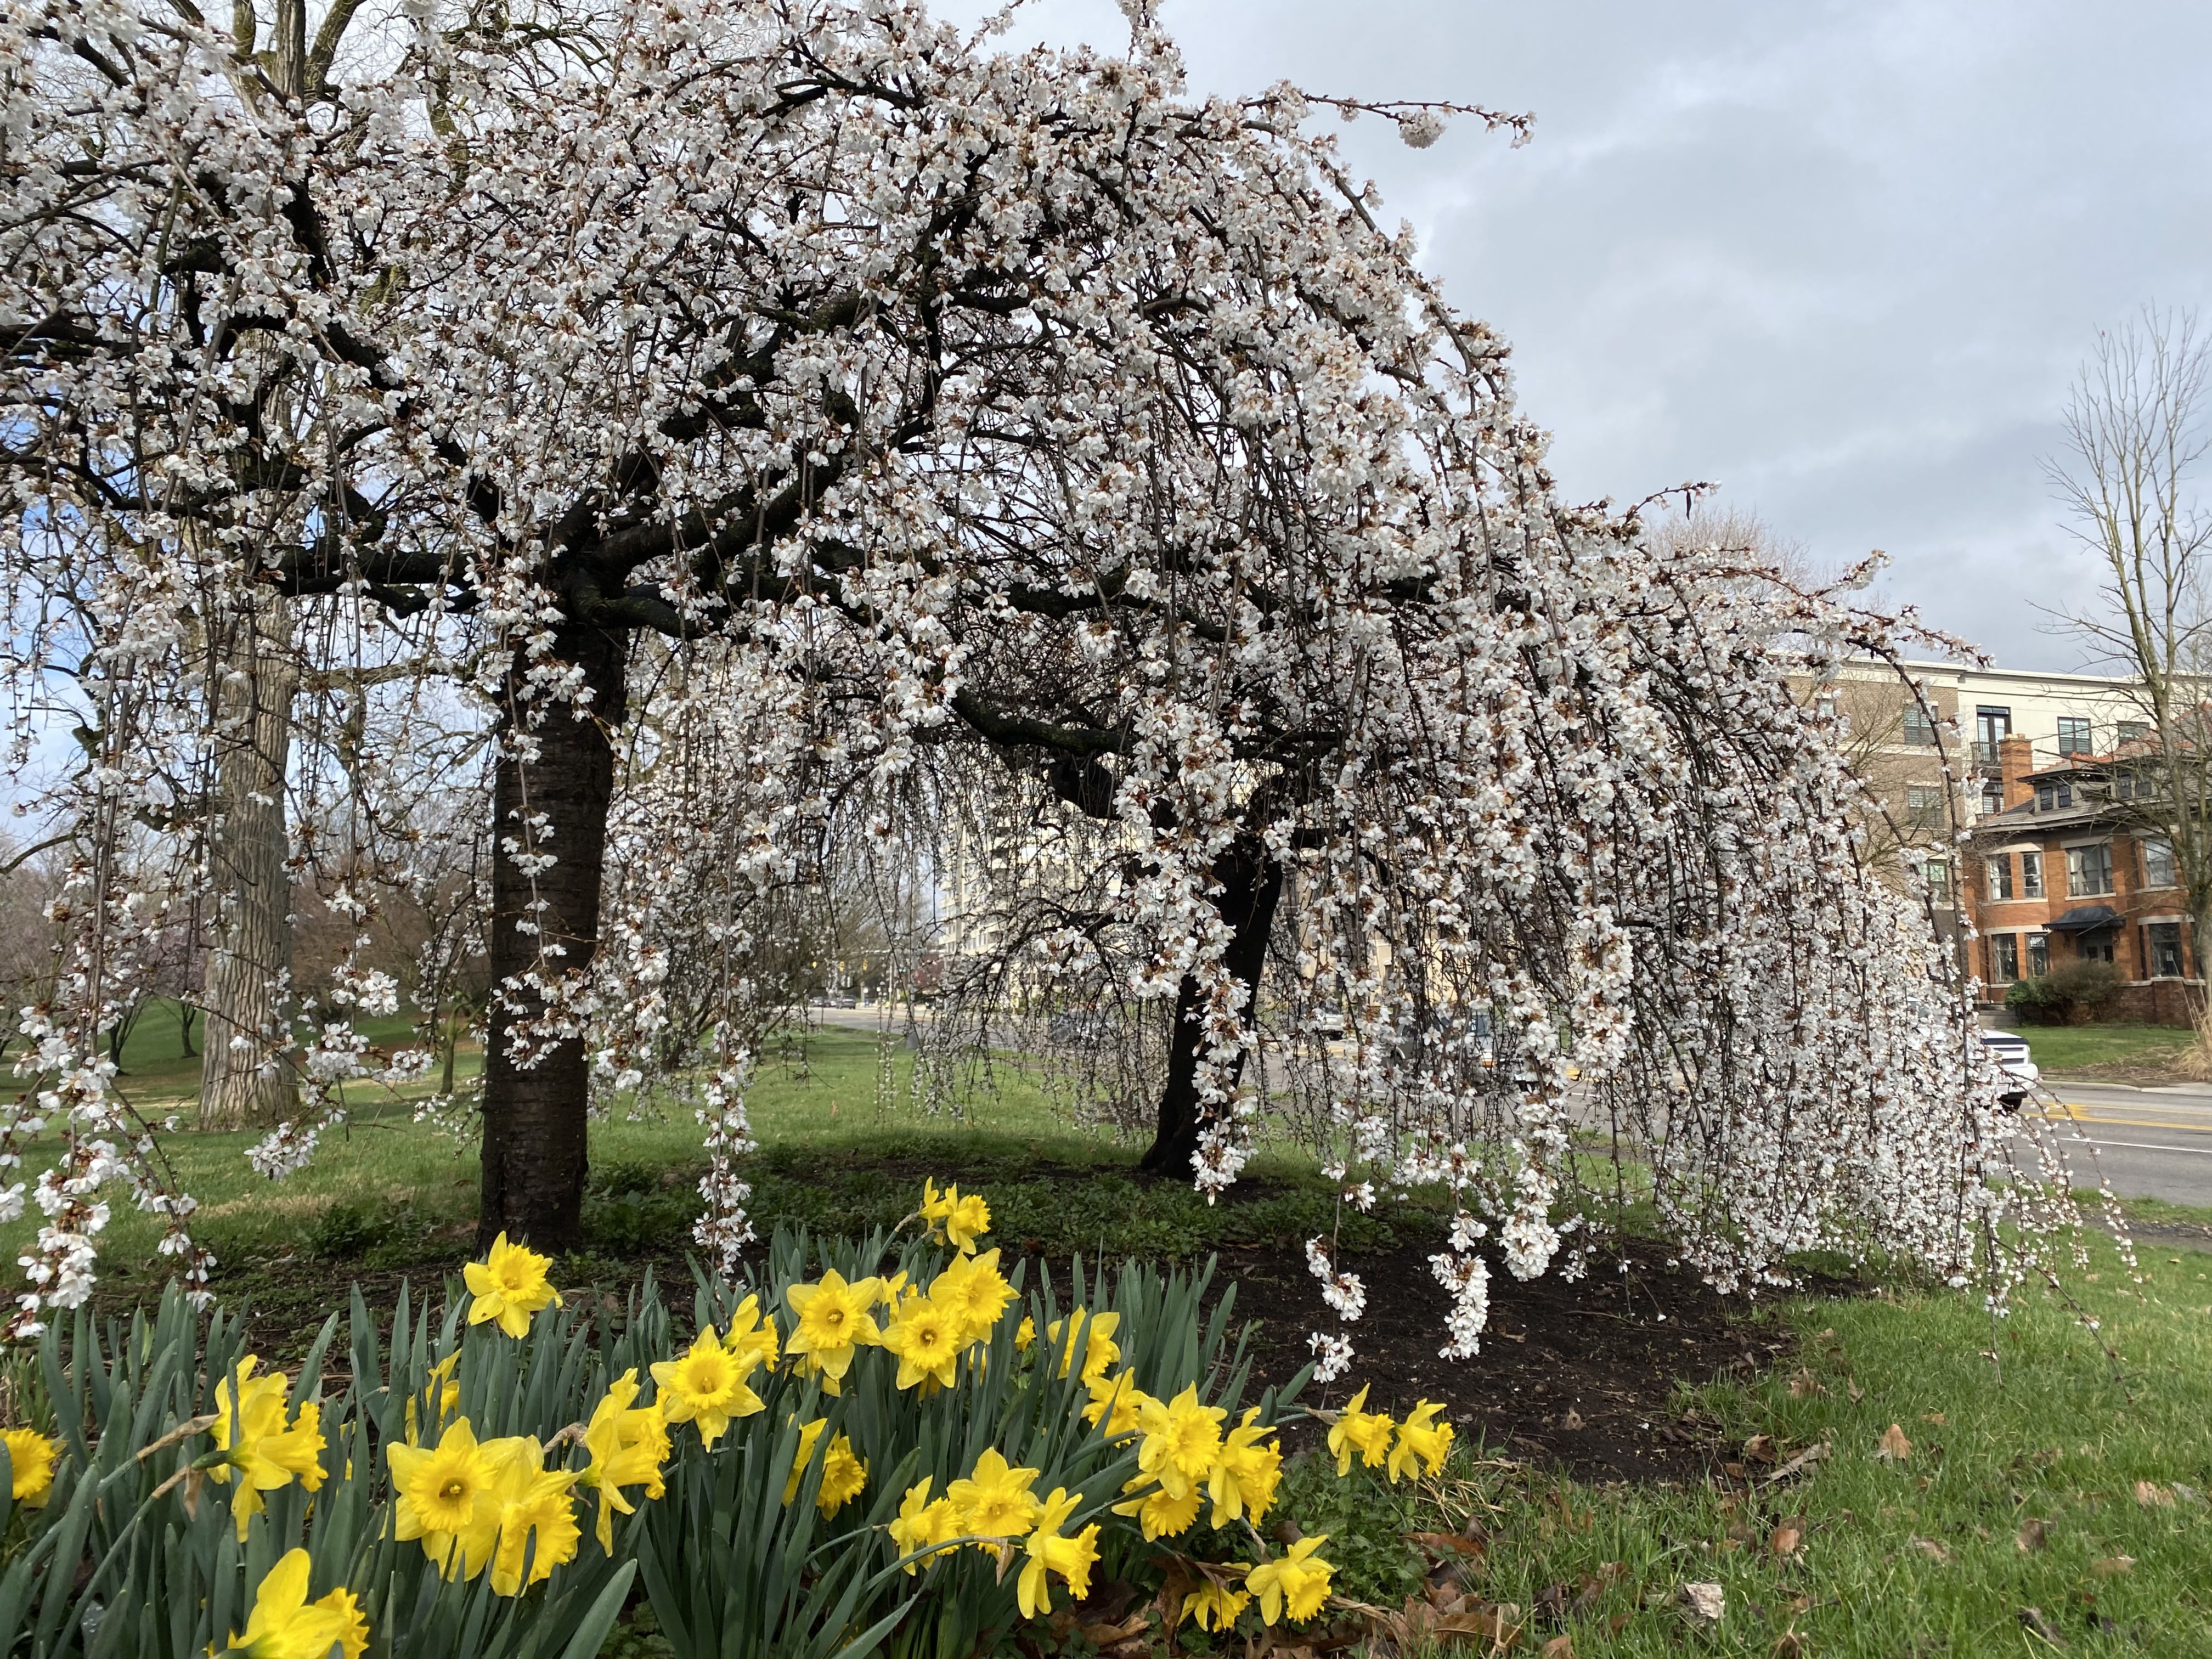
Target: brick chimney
2015,760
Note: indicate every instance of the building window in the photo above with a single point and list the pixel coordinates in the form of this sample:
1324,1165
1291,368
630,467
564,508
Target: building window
2132,730
1992,798
1824,706
1919,727
1990,725
2030,875
2000,883
2038,955
2089,873
2163,951
1923,805
2004,958
2095,947
2073,736
2046,796
2157,861
2065,794
1938,877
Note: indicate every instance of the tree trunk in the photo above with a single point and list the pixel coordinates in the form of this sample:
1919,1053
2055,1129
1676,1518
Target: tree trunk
536,1091
241,1080
1251,886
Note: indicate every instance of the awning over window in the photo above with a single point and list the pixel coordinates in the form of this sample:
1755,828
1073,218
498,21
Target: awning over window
2087,919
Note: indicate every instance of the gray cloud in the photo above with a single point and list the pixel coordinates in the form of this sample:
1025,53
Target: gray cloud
1841,259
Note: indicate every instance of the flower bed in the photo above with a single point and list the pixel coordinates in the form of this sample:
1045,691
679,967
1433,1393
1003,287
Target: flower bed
884,1445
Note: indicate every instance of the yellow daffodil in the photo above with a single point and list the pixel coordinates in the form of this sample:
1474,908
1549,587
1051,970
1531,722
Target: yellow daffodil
1118,1401
844,1477
284,1625
1245,1473
936,1207
1296,1582
31,1457
1214,1606
1024,1334
440,1387
442,1493
810,1435
751,1335
1048,1551
995,1500
924,1524
1423,1442
1365,1431
510,1285
265,1451
706,1387
1181,1437
1162,1514
833,1324
927,1338
888,1290
1094,1335
535,1517
968,1220
628,1446
973,1288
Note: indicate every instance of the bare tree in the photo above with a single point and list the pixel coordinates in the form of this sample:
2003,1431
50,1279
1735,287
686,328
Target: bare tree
2136,435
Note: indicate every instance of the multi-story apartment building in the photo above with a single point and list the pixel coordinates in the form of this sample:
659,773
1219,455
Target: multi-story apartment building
2068,870
1894,742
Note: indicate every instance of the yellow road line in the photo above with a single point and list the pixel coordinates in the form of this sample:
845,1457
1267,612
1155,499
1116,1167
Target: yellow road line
2082,1114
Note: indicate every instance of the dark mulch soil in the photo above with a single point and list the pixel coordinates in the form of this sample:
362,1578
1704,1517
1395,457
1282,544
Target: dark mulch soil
1578,1375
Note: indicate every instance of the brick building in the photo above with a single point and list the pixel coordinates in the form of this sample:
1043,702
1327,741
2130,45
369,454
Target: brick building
2065,871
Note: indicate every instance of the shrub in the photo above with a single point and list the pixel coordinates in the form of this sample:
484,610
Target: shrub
2071,993
496,1478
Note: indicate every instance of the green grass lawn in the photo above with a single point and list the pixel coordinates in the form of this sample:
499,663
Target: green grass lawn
2069,1050
2038,1478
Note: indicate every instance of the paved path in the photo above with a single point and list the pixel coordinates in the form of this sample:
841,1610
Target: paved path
2151,1143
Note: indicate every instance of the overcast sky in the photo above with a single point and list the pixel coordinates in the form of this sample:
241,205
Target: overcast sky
1841,259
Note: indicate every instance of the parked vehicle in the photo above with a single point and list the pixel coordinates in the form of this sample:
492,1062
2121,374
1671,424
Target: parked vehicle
2010,1051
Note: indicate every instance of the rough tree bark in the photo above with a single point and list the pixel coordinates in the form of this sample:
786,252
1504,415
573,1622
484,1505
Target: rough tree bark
1251,887
534,1119
242,1081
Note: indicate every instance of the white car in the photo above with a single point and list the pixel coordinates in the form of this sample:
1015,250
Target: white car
2010,1050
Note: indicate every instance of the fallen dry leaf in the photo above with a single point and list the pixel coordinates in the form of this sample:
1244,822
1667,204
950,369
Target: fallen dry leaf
1787,1538
1112,1635
1803,1385
1789,1645
1573,1419
2152,1495
1559,1647
1804,1459
1759,1448
1933,1549
1936,1417
2032,1536
1895,1447
1439,1545
1856,1392
1705,1603
2111,1566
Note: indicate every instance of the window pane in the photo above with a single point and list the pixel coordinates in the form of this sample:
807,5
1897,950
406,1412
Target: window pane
1918,728
2157,862
2164,941
2038,955
2030,875
2073,736
2004,957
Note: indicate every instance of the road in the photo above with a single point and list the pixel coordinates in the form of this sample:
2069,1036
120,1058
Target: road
2151,1143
